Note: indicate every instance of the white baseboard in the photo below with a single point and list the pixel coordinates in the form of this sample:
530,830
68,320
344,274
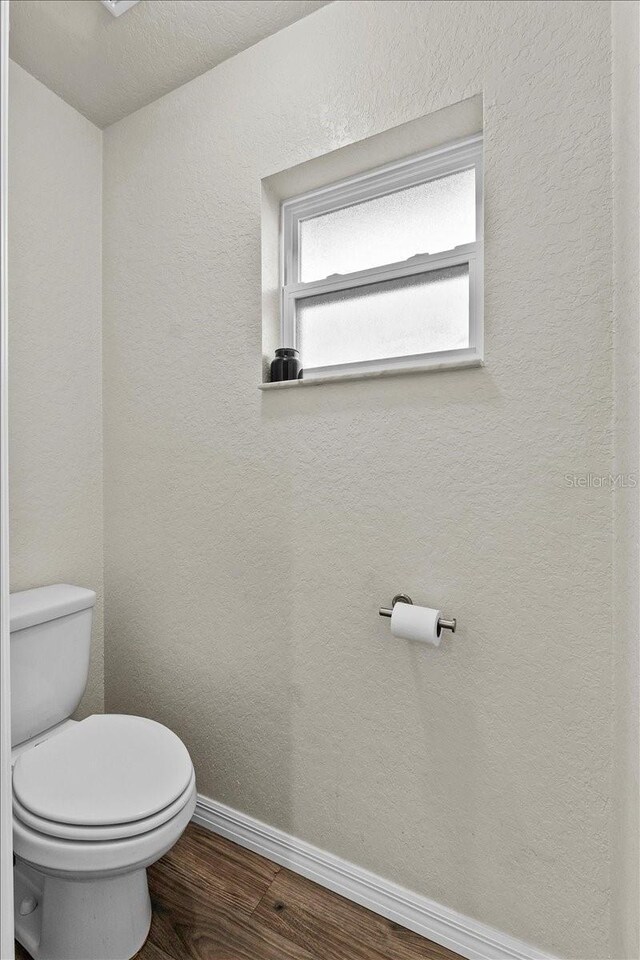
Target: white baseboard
464,935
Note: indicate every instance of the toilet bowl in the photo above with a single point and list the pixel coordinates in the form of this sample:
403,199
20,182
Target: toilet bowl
95,802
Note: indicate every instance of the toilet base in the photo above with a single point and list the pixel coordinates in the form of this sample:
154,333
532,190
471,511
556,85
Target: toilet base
59,919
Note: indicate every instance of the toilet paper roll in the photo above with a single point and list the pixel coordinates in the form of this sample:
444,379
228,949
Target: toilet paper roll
411,622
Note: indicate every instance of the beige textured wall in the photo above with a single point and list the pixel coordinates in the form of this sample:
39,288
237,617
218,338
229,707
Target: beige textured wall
626,172
55,350
250,538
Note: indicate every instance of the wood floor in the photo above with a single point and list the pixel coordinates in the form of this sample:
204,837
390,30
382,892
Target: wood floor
213,900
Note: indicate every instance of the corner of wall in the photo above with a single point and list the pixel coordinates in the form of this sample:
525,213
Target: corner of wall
625,890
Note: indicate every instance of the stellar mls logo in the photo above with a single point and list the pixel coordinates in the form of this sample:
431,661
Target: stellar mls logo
602,481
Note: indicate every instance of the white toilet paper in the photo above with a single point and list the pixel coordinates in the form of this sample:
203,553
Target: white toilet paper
411,622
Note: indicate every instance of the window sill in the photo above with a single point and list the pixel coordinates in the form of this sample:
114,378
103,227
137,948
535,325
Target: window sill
372,374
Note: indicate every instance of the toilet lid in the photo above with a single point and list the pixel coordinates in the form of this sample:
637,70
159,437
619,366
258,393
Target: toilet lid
104,770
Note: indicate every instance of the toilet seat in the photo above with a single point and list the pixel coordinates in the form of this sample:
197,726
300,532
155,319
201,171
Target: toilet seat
107,777
84,860
119,831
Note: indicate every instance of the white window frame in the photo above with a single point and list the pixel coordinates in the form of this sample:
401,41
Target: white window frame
453,158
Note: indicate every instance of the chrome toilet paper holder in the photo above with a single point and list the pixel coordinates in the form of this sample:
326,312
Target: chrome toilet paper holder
404,598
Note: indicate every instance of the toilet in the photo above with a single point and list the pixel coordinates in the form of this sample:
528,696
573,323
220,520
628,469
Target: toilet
95,801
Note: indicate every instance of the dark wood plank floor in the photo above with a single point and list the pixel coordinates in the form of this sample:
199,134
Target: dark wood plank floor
213,900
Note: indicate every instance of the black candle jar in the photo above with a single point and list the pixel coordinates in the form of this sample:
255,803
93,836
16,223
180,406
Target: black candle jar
287,365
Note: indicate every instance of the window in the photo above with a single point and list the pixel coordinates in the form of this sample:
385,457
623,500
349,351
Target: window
384,271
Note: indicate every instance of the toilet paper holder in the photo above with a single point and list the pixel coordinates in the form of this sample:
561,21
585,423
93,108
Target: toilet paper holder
403,598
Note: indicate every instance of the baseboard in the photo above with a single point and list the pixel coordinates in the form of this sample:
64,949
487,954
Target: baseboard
464,935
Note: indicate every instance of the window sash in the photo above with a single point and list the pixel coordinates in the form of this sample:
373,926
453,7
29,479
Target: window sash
426,264
439,163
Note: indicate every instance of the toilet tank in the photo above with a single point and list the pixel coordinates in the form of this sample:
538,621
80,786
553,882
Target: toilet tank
50,644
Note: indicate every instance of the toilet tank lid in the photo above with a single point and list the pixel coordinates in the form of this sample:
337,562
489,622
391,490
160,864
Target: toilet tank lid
29,607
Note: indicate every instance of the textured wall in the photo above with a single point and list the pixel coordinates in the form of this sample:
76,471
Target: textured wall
55,422
626,173
250,537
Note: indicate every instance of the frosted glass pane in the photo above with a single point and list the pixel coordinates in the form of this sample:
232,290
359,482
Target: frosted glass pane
428,218
395,318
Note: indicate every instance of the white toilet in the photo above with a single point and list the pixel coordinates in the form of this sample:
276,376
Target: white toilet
94,801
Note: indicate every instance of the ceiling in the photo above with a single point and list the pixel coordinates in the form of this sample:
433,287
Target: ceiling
107,67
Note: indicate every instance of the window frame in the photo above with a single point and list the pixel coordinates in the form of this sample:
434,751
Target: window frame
451,158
